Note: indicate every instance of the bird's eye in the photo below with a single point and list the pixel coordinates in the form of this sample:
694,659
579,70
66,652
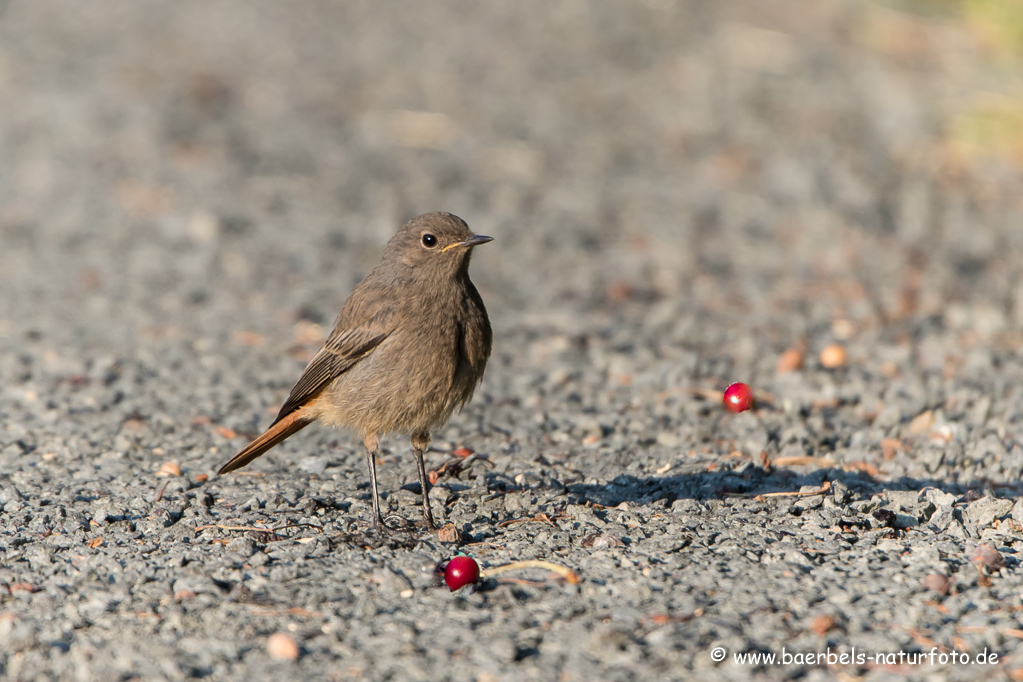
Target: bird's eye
429,241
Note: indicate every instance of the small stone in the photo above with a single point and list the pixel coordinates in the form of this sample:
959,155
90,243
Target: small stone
17,635
809,502
904,521
922,556
841,492
664,438
1017,511
833,356
986,556
984,511
843,329
602,541
281,647
939,497
314,465
942,517
886,516
890,415
936,582
903,499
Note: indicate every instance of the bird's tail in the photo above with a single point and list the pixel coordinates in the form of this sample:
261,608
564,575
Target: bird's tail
281,429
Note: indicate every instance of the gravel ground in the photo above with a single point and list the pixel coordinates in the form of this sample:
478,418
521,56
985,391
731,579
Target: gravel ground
679,192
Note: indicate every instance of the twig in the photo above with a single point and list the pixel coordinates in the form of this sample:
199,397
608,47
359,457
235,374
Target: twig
568,574
222,526
296,611
820,491
519,581
539,518
801,461
159,495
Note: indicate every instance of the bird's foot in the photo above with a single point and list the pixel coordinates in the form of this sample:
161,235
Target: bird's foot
400,524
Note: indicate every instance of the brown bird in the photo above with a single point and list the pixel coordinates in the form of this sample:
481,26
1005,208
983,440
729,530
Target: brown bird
408,348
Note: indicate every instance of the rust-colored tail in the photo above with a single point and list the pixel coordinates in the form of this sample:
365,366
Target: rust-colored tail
294,422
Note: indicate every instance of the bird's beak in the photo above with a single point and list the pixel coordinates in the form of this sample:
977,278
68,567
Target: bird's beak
474,240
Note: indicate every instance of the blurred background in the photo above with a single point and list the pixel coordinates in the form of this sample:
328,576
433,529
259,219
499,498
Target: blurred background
198,182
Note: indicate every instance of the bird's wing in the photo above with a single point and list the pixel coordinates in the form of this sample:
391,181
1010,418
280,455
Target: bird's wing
346,345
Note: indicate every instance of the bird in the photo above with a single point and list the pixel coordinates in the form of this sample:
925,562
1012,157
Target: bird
408,348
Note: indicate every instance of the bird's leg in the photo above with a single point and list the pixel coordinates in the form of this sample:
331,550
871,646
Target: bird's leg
420,441
372,443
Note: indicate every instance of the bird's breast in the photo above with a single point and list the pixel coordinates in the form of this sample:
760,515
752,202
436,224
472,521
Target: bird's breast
427,367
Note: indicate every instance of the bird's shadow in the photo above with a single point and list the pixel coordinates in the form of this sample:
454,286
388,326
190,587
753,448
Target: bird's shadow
752,481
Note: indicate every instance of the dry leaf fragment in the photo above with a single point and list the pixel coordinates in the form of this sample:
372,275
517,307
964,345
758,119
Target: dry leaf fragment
921,423
889,446
170,468
790,360
248,339
308,333
149,201
923,640
798,460
449,533
825,487
95,542
420,129
225,432
620,290
822,623
865,467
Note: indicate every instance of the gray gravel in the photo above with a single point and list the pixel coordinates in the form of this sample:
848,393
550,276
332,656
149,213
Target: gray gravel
679,192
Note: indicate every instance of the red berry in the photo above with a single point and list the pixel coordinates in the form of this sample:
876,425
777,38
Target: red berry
461,571
739,397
